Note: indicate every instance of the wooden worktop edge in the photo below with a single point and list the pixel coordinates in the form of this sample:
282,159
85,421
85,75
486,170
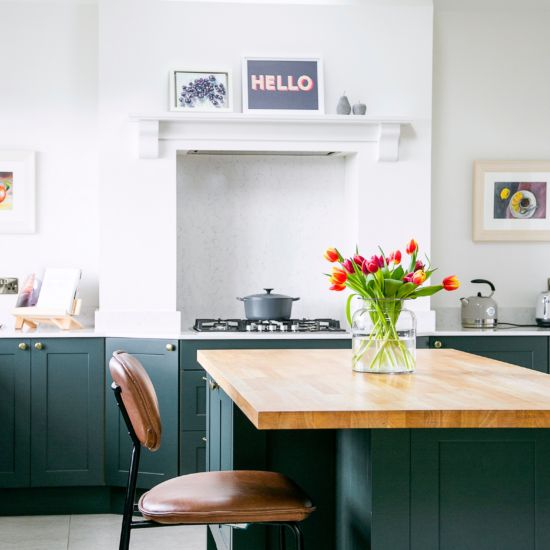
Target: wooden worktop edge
226,386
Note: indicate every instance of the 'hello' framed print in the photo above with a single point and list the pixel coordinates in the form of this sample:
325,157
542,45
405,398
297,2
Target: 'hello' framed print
17,192
511,200
288,85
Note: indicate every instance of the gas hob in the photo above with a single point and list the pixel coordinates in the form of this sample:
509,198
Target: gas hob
267,326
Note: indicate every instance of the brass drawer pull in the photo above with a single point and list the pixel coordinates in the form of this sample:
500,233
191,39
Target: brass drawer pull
170,347
437,345
204,438
38,345
22,346
205,378
213,385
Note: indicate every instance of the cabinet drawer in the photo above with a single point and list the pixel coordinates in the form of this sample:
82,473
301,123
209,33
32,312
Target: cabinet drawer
524,351
192,452
193,400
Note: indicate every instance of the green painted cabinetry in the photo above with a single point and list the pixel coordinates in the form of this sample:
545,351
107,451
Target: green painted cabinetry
52,410
160,360
15,413
525,351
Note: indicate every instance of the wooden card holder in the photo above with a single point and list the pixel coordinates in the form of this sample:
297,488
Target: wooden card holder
30,316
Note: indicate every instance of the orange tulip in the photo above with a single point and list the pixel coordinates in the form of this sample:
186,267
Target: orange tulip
419,277
451,283
339,275
331,255
337,287
411,247
395,257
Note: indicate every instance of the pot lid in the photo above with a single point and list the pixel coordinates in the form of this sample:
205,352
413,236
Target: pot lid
267,296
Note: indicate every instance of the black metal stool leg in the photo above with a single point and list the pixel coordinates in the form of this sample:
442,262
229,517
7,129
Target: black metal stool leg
282,543
298,534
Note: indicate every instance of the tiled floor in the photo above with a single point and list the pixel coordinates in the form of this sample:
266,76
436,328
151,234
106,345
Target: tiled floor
92,532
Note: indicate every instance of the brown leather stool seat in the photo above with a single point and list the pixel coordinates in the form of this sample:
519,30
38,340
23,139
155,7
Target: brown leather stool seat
226,497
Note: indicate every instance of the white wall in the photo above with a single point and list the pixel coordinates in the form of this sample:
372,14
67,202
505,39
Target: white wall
491,102
381,55
48,103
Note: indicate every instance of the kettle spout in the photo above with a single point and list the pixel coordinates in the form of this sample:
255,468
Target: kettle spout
464,301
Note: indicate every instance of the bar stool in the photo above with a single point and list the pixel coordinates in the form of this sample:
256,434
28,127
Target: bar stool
234,497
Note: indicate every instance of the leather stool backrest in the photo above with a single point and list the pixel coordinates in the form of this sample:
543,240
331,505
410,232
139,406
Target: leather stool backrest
139,397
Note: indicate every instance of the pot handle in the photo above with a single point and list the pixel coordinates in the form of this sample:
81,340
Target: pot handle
294,299
240,299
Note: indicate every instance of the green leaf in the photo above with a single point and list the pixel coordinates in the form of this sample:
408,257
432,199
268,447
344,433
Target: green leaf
383,257
340,258
405,290
392,286
398,274
348,307
386,272
428,291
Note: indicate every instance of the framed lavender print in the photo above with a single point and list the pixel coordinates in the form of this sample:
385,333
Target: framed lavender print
17,192
511,201
283,85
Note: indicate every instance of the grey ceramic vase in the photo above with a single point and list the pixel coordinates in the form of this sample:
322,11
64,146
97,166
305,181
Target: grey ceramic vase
359,109
343,108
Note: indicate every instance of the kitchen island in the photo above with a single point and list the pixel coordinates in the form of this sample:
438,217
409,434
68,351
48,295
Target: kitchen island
465,465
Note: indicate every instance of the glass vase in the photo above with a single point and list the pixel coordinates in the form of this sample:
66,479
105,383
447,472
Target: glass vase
384,338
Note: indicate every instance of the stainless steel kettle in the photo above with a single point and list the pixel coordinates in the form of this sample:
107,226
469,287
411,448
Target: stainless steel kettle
479,311
543,308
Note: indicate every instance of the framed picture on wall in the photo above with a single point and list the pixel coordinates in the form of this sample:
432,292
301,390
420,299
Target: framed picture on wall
17,192
511,200
288,85
201,91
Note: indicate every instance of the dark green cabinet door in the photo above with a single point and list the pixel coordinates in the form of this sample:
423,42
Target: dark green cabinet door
162,366
480,489
193,452
524,351
15,412
67,434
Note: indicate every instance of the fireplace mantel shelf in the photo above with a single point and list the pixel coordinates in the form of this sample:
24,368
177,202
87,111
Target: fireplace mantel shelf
333,129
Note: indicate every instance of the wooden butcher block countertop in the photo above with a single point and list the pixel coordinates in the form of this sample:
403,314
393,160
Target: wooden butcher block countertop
316,389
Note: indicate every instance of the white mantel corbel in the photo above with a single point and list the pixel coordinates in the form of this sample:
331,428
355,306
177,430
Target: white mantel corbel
202,128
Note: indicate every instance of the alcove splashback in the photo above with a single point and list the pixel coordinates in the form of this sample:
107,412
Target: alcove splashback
246,223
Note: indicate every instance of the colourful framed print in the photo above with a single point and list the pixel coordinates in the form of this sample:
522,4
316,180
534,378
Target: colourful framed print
287,85
201,91
511,201
17,192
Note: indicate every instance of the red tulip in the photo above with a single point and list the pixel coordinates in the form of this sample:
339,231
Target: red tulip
379,260
339,275
419,277
364,267
408,277
358,259
371,265
331,255
348,266
451,283
395,257
418,265
337,287
411,247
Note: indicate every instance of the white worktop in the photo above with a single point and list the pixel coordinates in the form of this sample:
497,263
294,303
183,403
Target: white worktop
47,331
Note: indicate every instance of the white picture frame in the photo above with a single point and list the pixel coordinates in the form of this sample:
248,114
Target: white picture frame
283,81
18,205
200,105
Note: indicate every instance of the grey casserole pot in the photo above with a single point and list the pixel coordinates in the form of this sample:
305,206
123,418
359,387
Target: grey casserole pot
262,307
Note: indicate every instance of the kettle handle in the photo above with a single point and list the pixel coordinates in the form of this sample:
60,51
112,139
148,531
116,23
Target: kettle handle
240,299
295,299
485,281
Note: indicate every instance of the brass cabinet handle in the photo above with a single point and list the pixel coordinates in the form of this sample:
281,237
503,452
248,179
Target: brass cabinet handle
170,347
204,438
38,345
437,345
205,378
22,346
213,385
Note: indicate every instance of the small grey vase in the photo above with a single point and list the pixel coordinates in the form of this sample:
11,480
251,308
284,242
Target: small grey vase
343,107
359,109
